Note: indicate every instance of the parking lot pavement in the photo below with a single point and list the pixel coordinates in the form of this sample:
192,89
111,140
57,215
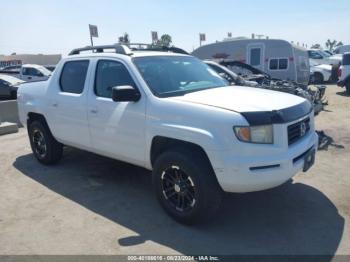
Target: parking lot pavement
88,204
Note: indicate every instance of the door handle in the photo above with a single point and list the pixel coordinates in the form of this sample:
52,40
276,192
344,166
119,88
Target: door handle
93,111
55,104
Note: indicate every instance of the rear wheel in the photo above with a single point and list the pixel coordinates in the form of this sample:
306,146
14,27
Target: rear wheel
186,186
347,86
44,146
318,78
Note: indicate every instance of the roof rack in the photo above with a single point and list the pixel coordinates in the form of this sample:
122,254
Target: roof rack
126,49
152,47
118,48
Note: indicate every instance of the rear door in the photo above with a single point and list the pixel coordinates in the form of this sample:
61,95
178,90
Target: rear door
255,55
67,104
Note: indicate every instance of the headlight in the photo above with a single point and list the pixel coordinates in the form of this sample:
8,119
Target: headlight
255,134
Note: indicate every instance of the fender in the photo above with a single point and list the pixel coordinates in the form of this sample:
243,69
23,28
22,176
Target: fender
200,137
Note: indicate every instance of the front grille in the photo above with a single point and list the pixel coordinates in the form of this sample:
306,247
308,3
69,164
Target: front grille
298,130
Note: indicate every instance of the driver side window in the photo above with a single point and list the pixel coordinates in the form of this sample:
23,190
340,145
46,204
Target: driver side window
110,74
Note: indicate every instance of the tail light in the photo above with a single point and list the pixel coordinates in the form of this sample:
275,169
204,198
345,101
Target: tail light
339,72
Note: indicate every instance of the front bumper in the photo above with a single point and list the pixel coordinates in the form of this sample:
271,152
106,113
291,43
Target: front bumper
254,173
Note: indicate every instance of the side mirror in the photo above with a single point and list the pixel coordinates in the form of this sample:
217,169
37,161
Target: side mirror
125,94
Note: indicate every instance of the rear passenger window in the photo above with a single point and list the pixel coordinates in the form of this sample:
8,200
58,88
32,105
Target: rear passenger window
110,74
73,76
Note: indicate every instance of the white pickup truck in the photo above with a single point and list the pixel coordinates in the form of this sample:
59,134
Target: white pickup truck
29,72
172,114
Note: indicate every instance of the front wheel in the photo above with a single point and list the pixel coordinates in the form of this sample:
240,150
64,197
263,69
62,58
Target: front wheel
44,146
318,78
186,186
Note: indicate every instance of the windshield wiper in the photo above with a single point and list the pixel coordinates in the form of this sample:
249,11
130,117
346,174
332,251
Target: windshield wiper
184,92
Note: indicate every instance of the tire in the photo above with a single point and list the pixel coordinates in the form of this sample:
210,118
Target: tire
347,86
44,146
13,95
198,180
318,78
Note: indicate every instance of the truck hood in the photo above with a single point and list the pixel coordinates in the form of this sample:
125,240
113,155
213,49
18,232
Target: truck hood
243,99
321,68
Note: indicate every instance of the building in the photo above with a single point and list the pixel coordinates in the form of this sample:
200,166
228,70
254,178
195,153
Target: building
39,59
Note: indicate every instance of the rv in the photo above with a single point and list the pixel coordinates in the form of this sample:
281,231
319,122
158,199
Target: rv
278,58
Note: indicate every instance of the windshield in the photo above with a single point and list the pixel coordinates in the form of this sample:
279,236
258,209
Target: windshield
177,75
325,53
44,70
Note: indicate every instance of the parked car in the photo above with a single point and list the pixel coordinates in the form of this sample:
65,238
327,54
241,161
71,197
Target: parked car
9,86
278,58
342,49
321,72
172,114
344,73
321,57
12,68
239,73
229,75
29,72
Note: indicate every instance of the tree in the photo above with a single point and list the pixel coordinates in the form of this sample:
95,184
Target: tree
124,39
316,46
165,40
332,44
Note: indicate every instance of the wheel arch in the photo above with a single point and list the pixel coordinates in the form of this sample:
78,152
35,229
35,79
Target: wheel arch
160,144
34,116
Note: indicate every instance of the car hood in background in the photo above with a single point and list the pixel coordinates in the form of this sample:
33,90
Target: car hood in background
242,99
323,67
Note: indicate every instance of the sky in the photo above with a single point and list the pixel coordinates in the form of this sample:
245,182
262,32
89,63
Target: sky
57,26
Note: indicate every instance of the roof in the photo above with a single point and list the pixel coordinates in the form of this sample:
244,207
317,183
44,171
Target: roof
255,40
126,50
134,54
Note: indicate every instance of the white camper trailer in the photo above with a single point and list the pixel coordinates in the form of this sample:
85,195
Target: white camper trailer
278,58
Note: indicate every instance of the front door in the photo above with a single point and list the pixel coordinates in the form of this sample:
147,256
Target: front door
117,128
255,55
